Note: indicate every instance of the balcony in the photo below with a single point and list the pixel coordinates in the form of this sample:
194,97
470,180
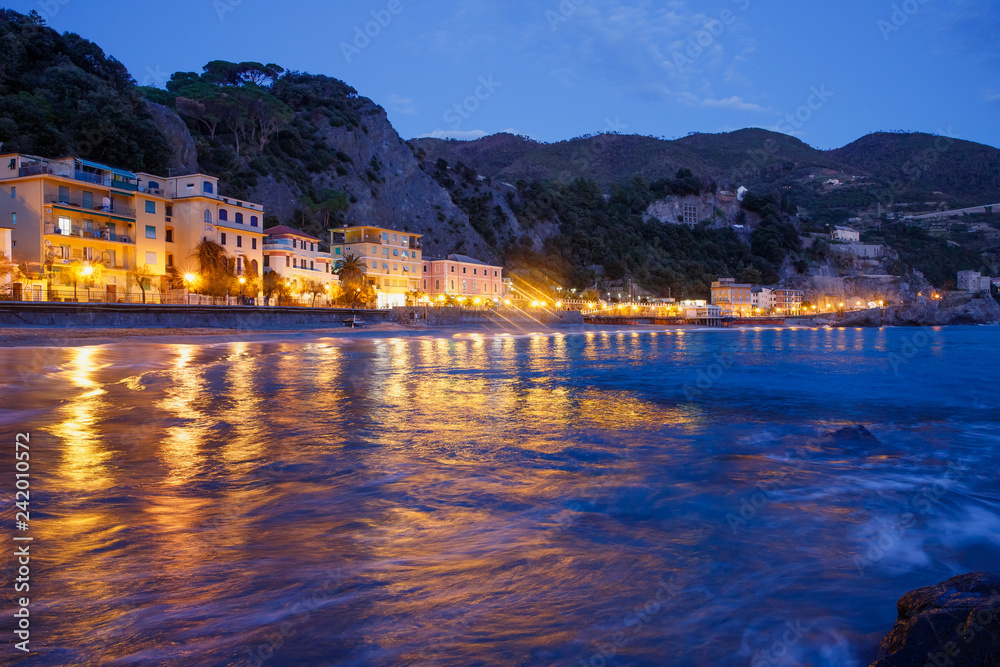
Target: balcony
95,234
114,209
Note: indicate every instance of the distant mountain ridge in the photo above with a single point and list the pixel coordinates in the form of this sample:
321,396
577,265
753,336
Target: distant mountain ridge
965,172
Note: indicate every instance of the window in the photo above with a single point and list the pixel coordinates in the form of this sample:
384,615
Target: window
239,241
425,268
170,260
267,261
395,253
150,232
295,244
151,207
452,284
208,188
169,235
239,218
253,244
312,266
13,218
375,250
465,286
437,284
394,238
65,226
208,216
63,194
452,270
190,187
223,237
151,258
13,193
223,215
496,274
170,212
88,254
253,221
288,262
338,252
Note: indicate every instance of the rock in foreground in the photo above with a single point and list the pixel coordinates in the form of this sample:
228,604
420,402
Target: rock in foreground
954,624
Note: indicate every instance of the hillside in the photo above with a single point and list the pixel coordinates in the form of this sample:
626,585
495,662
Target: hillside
61,95
593,211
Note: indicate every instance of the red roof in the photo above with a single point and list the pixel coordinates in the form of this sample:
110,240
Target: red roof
285,230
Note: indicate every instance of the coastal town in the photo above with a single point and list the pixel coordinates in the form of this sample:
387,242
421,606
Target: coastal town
77,231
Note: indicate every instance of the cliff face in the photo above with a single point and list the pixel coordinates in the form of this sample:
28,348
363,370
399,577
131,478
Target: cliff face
381,177
958,309
183,151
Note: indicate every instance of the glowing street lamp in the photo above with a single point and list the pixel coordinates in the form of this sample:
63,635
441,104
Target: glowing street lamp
243,282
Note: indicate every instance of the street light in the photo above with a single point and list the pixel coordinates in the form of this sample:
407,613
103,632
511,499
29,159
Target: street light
243,282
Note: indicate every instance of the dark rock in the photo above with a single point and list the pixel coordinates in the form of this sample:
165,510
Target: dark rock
954,624
852,434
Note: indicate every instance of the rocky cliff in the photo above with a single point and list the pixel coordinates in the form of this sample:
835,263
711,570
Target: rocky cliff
954,624
956,309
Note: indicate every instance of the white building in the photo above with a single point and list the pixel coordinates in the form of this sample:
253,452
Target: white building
763,299
845,235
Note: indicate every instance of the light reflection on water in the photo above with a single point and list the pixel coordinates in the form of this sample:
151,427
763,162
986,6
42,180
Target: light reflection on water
499,499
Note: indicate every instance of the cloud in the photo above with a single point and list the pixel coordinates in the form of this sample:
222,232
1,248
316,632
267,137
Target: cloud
992,97
733,102
401,104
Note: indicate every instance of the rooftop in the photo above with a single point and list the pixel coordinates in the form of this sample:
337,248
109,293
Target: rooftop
285,230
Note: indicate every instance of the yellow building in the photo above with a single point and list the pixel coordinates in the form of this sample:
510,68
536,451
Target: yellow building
393,258
195,211
72,213
735,299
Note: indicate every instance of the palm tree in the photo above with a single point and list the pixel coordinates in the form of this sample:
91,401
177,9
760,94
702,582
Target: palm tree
351,270
216,272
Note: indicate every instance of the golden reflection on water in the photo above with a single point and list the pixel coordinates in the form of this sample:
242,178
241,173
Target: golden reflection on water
180,450
84,455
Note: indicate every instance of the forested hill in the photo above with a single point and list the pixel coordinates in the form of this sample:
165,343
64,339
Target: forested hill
61,95
918,167
317,154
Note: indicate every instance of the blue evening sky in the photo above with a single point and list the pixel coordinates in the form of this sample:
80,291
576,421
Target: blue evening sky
556,69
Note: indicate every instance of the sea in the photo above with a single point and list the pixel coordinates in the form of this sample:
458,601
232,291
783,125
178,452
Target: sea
579,498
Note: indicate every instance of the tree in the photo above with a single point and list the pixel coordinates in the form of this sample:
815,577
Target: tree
351,270
313,288
272,284
217,274
141,276
84,272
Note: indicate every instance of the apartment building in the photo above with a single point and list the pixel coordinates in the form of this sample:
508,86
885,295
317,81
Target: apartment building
460,275
735,299
845,235
788,302
69,212
295,255
393,259
763,300
194,211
